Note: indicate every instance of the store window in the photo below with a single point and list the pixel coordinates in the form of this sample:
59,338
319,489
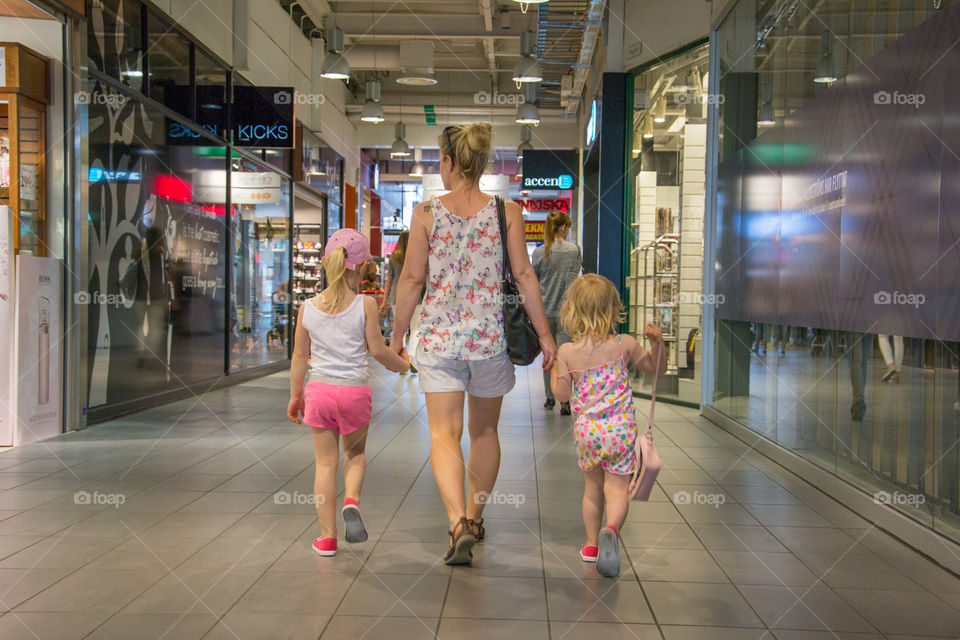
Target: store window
260,228
168,61
115,45
839,333
156,288
666,255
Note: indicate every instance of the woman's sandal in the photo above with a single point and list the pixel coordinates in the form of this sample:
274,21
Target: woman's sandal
477,527
460,551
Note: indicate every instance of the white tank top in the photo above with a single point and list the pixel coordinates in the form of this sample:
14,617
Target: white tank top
338,343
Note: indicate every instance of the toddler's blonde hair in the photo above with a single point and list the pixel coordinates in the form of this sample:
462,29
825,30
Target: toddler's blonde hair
591,308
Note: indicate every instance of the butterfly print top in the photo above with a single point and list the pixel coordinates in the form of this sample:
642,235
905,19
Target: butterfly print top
462,313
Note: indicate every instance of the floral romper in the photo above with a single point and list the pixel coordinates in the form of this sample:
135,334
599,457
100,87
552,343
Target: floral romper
605,429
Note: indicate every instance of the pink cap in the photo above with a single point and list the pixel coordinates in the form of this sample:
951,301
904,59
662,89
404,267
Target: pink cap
354,242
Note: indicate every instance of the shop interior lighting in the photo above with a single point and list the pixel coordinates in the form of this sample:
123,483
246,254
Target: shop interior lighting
335,66
525,4
400,148
647,128
660,111
372,111
825,72
416,170
526,134
527,68
527,112
766,106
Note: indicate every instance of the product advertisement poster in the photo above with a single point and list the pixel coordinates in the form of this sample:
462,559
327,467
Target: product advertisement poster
6,324
38,339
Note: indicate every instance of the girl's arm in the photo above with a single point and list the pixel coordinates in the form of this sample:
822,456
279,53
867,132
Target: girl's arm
414,273
639,358
560,382
527,283
298,367
378,349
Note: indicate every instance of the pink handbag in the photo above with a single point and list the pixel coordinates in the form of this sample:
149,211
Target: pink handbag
648,462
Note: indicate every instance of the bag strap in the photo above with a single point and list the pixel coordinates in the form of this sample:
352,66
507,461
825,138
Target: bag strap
653,391
502,219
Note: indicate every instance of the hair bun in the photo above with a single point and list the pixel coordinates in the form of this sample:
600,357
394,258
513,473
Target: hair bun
479,137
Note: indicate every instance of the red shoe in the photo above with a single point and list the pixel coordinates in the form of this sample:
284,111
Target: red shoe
325,546
589,553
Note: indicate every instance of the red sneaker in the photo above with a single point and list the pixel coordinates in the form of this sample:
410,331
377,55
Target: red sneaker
325,546
589,553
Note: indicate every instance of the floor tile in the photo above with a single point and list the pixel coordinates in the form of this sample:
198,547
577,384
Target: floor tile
676,565
472,629
904,612
818,608
256,626
499,598
149,626
383,594
597,601
687,603
759,567
605,630
92,590
49,625
380,628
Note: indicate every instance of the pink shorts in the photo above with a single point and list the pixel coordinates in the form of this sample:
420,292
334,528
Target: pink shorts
334,406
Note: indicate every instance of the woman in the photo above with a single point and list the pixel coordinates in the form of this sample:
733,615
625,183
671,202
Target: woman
557,264
455,248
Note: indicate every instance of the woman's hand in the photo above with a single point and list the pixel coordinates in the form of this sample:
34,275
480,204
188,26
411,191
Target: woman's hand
295,409
549,348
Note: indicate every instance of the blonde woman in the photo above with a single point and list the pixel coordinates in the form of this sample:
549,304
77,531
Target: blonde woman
557,264
456,249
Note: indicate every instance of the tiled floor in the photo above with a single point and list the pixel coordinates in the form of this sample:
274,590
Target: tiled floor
212,539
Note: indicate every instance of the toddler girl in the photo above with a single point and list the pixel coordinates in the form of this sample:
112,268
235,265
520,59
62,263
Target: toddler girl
591,373
334,331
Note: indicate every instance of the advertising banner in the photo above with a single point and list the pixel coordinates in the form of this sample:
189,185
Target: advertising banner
6,326
39,335
550,170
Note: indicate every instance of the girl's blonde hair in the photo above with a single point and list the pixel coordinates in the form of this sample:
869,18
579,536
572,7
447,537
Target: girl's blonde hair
591,308
555,221
469,147
335,266
400,252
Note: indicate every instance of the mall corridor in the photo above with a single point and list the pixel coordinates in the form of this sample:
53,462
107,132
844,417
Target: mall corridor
191,521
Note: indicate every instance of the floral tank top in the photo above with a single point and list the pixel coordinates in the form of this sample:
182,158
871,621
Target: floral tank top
462,312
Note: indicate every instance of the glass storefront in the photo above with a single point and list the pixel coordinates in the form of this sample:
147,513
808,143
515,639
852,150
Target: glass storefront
665,277
189,237
837,334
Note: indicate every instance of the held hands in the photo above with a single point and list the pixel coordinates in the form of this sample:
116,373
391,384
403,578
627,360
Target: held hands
295,409
549,348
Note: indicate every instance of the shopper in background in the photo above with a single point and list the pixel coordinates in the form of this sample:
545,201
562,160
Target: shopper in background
334,331
893,357
592,370
393,270
456,249
557,264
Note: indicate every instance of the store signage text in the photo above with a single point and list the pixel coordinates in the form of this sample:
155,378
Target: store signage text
545,204
106,175
563,181
258,117
534,230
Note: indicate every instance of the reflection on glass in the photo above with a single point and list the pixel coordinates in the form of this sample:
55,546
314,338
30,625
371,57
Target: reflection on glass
113,40
260,227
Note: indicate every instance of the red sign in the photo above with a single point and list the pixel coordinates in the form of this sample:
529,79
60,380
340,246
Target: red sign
546,204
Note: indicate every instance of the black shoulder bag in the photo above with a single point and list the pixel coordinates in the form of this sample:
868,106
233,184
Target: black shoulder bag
523,345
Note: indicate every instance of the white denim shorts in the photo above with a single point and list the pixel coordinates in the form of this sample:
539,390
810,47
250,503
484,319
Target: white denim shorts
488,378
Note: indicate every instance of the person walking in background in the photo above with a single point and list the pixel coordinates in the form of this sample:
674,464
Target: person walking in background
334,331
456,249
393,270
557,264
893,358
593,371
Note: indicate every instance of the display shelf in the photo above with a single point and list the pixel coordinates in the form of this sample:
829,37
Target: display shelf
307,273
656,269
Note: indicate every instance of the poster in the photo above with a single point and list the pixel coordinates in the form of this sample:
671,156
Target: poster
39,336
6,324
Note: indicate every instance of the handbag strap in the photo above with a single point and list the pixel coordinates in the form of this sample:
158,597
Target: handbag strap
653,392
502,220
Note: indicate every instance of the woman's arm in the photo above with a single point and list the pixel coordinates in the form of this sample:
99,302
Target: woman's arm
375,343
527,283
413,275
298,367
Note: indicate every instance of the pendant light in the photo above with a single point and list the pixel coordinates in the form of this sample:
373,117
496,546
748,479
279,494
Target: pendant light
527,68
525,4
416,170
647,128
660,111
525,135
825,72
400,148
335,66
372,111
527,112
766,105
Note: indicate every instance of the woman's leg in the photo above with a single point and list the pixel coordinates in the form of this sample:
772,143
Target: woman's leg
354,462
326,450
554,324
616,498
897,352
885,349
484,463
592,503
445,414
